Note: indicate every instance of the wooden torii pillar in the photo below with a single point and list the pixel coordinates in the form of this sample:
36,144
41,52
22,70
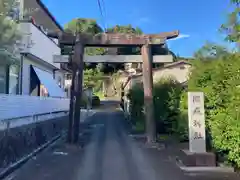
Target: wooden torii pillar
112,40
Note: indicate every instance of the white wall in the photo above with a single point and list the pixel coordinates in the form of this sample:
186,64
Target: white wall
19,110
13,106
35,42
179,72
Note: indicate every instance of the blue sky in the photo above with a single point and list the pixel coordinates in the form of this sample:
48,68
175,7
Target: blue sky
197,20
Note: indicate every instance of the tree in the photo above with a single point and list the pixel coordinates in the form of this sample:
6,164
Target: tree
83,25
211,51
9,34
232,27
92,77
237,2
128,29
86,26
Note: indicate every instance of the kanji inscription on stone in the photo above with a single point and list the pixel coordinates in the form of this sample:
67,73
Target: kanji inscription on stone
196,121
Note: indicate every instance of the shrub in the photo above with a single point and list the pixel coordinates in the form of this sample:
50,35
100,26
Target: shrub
166,96
219,80
136,97
166,93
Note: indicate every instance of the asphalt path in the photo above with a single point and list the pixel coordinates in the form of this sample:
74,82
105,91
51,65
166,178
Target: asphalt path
105,152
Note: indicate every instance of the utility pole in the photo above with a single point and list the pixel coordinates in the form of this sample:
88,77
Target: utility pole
77,93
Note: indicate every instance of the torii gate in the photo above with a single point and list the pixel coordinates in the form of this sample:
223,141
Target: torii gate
82,40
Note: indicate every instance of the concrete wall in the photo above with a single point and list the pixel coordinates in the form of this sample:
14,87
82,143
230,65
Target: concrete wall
18,142
27,122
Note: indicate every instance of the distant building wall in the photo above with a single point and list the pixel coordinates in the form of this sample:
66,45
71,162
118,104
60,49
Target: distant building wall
178,71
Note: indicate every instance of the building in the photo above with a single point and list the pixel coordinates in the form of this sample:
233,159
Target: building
178,70
38,72
34,72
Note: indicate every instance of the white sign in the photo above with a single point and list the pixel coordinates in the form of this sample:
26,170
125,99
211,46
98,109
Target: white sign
60,58
196,121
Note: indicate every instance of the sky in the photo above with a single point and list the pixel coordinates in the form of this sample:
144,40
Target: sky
197,20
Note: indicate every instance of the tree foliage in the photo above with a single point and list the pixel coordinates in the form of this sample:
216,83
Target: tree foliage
93,78
9,34
219,80
83,25
211,51
232,27
126,30
86,26
124,50
166,95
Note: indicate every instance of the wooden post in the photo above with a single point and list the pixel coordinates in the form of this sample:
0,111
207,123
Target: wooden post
71,112
78,60
148,95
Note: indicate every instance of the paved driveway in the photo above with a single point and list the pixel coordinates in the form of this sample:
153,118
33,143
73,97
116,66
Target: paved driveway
105,152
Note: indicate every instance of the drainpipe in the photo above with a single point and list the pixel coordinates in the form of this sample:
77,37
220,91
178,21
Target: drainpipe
54,73
20,76
7,79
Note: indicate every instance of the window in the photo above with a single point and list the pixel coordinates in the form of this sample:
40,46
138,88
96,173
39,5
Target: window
9,79
3,78
13,79
68,76
34,83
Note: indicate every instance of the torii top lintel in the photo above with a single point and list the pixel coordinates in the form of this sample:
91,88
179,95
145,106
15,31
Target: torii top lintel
116,39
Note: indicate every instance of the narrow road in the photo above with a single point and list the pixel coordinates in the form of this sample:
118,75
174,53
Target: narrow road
107,153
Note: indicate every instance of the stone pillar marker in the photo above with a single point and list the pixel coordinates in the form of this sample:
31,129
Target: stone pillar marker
196,122
197,154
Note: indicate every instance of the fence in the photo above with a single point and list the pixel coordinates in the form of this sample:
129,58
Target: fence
27,122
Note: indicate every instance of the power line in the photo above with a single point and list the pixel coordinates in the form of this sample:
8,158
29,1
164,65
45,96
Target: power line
101,6
104,11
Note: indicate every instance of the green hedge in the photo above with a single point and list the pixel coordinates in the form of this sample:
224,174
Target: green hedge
166,96
219,80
